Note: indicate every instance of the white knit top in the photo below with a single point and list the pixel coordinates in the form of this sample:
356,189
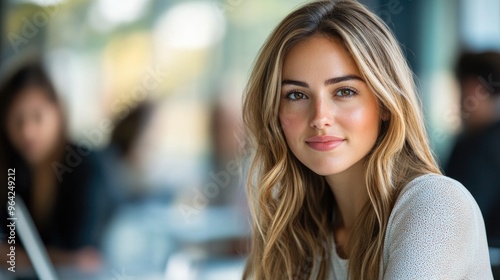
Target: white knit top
435,231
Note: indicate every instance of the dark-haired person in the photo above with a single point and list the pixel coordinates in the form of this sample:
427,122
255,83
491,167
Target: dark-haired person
59,182
475,158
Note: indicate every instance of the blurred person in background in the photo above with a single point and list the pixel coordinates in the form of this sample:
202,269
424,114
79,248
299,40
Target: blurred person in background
227,141
123,156
226,131
475,157
59,181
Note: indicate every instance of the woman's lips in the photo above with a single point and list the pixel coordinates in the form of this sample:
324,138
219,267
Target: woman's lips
324,143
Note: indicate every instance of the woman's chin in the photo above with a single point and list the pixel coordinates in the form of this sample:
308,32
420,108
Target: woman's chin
322,171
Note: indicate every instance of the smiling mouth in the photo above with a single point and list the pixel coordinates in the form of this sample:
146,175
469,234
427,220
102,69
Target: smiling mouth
325,146
324,143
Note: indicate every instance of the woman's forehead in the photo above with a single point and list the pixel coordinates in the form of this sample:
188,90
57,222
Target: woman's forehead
318,55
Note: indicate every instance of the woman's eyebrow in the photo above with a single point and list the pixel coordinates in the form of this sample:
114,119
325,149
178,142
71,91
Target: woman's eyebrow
336,80
330,81
296,83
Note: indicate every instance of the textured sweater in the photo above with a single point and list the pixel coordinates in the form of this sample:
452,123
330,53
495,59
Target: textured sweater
435,231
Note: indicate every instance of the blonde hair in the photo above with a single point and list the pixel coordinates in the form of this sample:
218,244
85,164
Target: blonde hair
292,207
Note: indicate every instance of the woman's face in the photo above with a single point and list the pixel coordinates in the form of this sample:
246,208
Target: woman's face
34,125
328,113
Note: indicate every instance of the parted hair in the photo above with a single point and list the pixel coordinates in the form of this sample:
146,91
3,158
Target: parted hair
292,208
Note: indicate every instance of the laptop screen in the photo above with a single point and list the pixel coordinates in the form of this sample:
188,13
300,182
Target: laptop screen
33,243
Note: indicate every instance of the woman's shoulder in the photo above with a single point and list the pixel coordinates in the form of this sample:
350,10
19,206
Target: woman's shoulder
434,188
437,198
435,221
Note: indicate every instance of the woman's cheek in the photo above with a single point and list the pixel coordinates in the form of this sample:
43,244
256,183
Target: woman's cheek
364,120
290,122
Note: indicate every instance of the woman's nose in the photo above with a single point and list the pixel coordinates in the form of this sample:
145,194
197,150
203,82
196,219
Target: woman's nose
322,114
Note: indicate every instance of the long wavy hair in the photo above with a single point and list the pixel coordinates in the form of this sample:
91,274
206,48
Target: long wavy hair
292,208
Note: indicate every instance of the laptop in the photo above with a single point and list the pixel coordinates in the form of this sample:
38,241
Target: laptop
33,243
45,270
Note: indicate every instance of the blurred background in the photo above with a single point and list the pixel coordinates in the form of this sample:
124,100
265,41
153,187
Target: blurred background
148,101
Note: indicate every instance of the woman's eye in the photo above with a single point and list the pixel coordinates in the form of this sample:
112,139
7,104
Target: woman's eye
295,95
345,92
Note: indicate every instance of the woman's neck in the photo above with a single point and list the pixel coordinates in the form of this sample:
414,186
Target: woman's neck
349,190
44,192
56,156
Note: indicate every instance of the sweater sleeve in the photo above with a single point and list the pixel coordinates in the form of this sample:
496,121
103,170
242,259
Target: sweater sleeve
436,231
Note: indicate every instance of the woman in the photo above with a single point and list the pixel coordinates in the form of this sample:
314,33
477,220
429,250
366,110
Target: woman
343,184
57,180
